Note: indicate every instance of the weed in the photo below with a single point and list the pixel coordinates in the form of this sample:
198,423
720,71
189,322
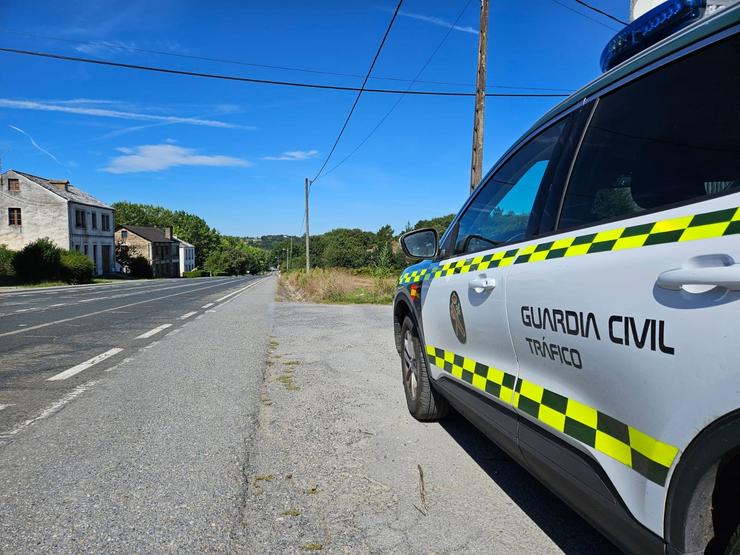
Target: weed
313,546
291,512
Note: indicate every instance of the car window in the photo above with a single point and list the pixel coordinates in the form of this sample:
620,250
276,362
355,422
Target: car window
500,212
670,137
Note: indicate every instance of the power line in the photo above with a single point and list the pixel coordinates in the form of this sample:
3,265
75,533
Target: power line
400,98
598,22
359,94
111,45
171,71
602,12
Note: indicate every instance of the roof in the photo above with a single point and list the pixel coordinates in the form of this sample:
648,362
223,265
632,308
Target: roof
151,234
70,193
183,243
697,31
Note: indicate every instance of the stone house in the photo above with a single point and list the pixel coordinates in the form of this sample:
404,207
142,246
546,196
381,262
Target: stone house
187,256
33,207
154,244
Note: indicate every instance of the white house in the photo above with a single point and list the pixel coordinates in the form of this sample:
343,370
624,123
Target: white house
33,207
187,256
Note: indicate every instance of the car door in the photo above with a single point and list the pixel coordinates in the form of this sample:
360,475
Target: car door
624,322
463,303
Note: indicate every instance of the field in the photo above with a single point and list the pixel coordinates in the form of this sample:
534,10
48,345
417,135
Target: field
337,286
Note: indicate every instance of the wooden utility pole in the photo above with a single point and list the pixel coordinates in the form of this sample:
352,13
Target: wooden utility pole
476,165
308,255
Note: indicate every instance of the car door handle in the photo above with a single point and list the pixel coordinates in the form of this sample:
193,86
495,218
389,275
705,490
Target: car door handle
727,277
482,284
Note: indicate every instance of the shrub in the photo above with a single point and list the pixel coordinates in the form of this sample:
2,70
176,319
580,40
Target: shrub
38,261
6,261
139,267
196,273
76,267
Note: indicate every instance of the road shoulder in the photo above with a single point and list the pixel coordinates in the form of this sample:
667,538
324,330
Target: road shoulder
337,462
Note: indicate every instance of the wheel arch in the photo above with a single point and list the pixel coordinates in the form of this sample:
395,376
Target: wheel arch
699,485
402,307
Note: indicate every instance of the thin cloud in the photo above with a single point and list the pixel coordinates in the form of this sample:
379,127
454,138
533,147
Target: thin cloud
438,21
293,155
154,158
107,113
36,145
115,46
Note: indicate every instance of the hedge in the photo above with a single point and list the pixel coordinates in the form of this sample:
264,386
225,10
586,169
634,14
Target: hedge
38,261
75,267
6,261
196,273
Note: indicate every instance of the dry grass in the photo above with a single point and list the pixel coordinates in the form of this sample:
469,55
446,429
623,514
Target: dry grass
337,286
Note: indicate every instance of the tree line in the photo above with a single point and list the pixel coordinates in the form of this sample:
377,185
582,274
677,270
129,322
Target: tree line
215,253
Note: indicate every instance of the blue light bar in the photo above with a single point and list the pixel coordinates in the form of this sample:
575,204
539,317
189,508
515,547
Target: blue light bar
651,27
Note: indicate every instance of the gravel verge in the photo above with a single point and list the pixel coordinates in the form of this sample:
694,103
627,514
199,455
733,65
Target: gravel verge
338,466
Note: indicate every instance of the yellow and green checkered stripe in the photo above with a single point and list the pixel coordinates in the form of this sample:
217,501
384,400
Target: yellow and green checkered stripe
642,453
720,223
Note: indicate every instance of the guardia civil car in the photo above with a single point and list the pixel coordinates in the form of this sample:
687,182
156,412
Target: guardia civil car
583,308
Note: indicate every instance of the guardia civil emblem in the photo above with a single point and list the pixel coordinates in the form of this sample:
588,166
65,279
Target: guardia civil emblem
456,317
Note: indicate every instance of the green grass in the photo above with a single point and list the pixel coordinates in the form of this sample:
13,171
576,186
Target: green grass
336,286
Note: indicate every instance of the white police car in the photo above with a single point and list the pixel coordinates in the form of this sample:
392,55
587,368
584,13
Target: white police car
583,308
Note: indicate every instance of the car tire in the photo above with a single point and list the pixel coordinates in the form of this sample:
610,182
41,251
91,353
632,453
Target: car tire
733,546
424,402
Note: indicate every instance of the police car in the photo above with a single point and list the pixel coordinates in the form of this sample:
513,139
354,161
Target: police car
583,308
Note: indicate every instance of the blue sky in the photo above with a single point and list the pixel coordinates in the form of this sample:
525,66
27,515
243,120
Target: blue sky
236,153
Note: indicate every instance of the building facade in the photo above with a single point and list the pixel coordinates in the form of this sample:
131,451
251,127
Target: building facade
156,245
33,207
187,256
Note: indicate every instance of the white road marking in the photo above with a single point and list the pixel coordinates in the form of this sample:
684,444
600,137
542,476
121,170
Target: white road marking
58,304
84,365
155,331
188,315
240,290
209,305
5,406
63,320
23,310
51,409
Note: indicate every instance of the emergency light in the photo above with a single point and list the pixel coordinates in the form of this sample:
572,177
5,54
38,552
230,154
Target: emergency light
654,25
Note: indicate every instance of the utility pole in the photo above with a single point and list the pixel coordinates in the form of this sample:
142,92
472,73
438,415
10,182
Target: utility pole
308,255
290,252
476,165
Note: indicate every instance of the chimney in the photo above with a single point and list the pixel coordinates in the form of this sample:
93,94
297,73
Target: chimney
167,232
62,184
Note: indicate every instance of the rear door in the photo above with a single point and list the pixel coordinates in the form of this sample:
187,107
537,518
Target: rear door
625,322
463,302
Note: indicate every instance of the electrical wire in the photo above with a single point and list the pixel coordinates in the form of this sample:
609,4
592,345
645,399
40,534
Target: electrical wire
602,12
598,22
122,46
171,71
400,98
359,94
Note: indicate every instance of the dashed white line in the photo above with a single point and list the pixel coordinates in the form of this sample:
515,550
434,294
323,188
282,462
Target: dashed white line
209,305
154,331
57,304
51,409
188,315
5,406
85,365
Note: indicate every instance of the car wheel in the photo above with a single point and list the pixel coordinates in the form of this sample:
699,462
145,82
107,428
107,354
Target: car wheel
423,401
733,546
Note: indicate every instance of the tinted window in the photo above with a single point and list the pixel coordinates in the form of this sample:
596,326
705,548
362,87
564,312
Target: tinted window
671,137
500,212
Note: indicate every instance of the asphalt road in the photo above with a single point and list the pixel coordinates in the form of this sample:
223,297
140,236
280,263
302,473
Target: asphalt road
144,452
44,333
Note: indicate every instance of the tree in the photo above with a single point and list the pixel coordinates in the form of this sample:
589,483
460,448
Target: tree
440,223
125,254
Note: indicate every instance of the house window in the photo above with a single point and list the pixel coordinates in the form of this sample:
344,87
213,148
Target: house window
14,184
77,247
85,247
94,219
124,234
105,222
80,219
14,216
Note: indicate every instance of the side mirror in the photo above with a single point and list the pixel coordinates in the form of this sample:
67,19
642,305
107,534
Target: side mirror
421,243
